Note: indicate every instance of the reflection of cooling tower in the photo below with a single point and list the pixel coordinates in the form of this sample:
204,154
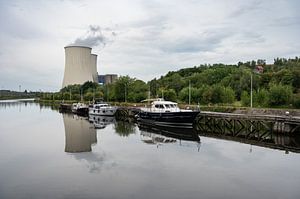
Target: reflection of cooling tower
80,134
79,66
94,67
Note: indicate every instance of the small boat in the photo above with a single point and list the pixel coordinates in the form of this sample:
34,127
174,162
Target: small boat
102,109
63,107
167,114
80,108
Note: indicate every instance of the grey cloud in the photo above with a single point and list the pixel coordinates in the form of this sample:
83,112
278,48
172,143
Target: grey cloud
96,37
196,43
248,7
15,26
286,21
253,37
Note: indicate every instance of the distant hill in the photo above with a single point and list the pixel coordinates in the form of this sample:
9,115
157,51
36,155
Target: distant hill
211,83
7,94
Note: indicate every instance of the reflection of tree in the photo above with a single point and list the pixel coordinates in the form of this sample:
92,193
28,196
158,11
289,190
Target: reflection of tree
124,129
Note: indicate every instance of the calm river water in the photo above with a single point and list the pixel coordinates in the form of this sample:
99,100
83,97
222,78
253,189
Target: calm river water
46,154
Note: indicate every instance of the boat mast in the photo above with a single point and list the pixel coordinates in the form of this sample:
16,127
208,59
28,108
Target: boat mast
149,94
189,92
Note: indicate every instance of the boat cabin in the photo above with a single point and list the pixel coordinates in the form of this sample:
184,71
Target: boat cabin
99,106
164,106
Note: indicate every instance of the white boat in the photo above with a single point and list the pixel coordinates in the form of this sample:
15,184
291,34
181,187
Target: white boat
102,109
79,108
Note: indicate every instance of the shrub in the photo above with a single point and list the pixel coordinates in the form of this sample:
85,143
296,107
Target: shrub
280,94
245,98
261,98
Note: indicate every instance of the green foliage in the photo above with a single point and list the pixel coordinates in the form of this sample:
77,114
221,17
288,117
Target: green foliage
184,95
278,85
168,94
228,95
261,98
280,94
245,98
207,95
89,96
296,102
137,91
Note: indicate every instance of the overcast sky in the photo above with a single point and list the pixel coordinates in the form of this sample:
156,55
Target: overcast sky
140,38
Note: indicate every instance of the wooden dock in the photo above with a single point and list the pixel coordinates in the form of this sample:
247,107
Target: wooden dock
230,123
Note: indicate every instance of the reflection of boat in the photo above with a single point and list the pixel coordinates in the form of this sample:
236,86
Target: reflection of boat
102,109
101,122
152,134
80,134
167,114
80,108
63,107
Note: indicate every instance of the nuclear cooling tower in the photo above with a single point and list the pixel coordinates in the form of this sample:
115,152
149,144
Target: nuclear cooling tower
79,65
94,67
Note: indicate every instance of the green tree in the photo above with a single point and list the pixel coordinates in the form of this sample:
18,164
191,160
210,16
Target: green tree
184,95
122,87
245,98
280,94
228,95
168,94
138,91
207,95
261,98
88,96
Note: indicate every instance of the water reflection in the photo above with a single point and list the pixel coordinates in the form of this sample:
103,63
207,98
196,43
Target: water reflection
159,135
124,129
271,140
6,104
80,134
33,164
100,122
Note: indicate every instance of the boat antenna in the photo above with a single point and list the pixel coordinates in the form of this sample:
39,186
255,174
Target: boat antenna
189,92
149,94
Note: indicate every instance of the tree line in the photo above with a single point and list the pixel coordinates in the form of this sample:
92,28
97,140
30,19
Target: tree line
278,85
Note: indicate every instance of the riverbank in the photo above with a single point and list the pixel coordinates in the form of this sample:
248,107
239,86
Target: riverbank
213,108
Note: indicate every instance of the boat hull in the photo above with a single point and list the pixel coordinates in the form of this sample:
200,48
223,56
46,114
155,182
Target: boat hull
169,119
81,111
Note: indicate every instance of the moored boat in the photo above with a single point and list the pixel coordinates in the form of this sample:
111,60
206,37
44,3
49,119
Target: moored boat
167,114
103,109
80,108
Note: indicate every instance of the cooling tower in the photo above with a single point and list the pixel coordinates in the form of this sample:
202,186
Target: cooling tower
94,67
78,65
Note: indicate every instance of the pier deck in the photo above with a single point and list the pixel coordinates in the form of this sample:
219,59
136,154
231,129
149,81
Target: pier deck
247,123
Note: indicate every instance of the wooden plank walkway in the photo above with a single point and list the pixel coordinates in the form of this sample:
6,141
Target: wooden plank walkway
246,123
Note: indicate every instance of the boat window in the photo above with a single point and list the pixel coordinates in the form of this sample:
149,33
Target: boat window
167,105
161,106
156,106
